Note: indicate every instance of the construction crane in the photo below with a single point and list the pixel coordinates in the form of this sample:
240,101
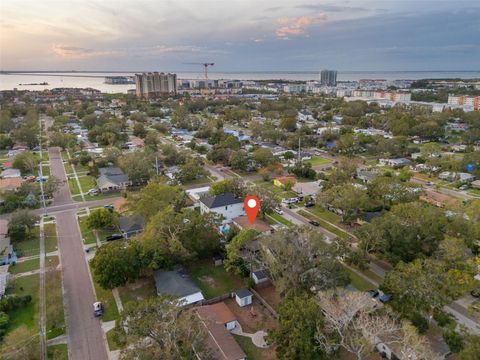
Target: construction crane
205,65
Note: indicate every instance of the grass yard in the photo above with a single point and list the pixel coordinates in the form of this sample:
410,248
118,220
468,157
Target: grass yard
341,234
87,234
112,344
279,219
25,266
73,185
214,280
318,160
68,168
279,191
46,170
359,282
28,247
137,291
106,297
54,304
325,214
28,315
50,233
87,183
253,352
58,352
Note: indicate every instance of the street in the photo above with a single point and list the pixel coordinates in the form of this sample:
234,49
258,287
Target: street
85,335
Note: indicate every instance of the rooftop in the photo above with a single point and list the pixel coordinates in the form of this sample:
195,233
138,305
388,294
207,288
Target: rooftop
221,200
243,293
176,283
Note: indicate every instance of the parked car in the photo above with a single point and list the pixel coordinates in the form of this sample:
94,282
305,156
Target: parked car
114,237
309,204
109,207
373,293
42,178
278,210
314,223
92,192
97,309
384,298
475,292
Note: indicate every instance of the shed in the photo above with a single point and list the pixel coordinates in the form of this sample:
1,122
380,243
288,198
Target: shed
259,276
178,284
243,297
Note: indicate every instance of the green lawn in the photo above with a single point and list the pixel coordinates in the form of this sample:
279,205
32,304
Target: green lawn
68,168
325,225
87,183
28,315
359,282
325,214
318,160
73,185
87,234
277,190
54,304
252,352
137,291
279,219
28,247
50,233
112,344
46,170
25,266
58,352
109,305
214,280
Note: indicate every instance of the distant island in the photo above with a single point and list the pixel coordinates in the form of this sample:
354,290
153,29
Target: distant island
29,84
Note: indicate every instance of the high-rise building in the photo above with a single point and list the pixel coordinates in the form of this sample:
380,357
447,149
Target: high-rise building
328,78
155,84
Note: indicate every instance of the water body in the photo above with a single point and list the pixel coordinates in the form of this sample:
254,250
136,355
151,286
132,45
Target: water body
96,79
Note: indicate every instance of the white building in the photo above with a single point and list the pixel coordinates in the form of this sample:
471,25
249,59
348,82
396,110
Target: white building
226,205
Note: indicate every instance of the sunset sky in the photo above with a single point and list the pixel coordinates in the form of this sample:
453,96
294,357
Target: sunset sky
240,35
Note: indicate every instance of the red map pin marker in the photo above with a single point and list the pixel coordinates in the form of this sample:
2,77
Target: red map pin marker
251,205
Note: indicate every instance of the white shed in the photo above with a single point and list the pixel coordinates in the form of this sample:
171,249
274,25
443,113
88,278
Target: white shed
243,297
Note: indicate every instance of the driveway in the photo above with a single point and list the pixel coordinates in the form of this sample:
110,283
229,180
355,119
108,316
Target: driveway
85,335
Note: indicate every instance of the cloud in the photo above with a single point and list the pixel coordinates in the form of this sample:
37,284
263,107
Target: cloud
74,52
297,26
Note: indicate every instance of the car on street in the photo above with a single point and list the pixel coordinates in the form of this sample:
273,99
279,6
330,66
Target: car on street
109,207
114,237
278,210
97,309
314,223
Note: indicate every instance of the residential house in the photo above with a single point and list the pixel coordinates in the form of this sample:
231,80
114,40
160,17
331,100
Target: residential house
365,175
130,225
177,283
261,226
226,205
112,179
7,254
284,181
243,297
396,163
10,173
311,188
390,348
260,276
219,320
456,176
10,184
197,193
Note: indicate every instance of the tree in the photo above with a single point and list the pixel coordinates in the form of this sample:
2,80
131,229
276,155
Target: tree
298,260
27,134
154,197
406,232
138,166
160,328
288,123
234,262
26,162
192,170
239,160
139,130
234,186
268,199
351,322
263,156
62,140
471,348
299,319
101,219
51,186
151,139
289,155
347,198
117,263
21,224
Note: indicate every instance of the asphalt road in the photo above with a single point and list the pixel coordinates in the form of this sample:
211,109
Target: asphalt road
85,335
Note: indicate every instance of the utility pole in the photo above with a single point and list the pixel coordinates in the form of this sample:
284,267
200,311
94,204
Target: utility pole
298,155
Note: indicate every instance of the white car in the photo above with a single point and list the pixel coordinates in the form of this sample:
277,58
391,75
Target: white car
97,309
92,192
278,210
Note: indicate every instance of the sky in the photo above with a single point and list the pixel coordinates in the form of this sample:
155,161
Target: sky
240,35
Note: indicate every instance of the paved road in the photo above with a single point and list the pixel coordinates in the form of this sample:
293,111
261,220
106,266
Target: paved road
85,335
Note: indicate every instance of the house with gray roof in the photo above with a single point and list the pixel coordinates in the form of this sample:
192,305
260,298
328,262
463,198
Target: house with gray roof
112,179
177,283
226,205
130,225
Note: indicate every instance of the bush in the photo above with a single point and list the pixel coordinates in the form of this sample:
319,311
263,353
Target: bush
419,322
442,318
454,340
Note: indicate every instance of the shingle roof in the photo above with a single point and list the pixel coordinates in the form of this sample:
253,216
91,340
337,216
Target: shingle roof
243,293
175,283
130,223
221,200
